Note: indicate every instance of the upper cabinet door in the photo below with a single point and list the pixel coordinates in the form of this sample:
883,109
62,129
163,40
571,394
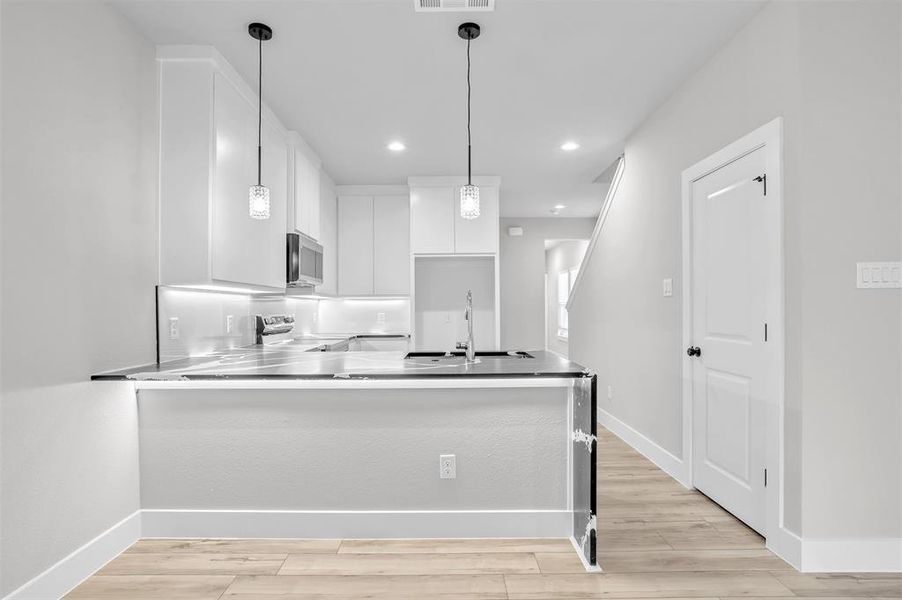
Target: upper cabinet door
431,220
355,245
391,243
245,250
479,235
306,195
328,230
275,177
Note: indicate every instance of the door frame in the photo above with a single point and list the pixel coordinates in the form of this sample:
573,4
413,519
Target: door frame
769,137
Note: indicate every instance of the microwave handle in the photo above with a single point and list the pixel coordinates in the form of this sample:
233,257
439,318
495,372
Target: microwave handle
293,262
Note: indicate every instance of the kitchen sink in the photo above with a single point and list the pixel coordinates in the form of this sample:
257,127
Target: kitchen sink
461,354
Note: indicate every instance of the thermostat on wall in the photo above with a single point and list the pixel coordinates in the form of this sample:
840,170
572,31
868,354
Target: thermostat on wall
515,231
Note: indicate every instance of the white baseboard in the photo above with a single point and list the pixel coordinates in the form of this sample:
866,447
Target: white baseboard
356,524
852,555
788,546
596,568
62,577
806,555
842,555
667,462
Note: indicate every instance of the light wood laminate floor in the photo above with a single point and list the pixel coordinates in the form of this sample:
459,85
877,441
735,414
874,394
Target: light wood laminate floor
656,540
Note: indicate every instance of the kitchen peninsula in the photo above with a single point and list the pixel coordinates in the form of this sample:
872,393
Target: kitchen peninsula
281,441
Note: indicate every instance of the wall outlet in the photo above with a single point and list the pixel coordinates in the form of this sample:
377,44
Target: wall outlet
610,392
173,328
380,318
447,466
230,323
668,287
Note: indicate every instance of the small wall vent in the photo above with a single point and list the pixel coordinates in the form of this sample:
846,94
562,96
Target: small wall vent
454,5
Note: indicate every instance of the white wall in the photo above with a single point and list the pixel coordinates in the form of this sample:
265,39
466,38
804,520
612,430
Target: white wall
832,70
78,272
561,257
522,269
441,301
353,449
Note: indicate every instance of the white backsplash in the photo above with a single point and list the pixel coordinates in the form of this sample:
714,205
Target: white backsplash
364,315
202,318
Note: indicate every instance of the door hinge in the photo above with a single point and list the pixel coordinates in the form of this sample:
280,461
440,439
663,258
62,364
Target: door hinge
765,477
762,179
765,332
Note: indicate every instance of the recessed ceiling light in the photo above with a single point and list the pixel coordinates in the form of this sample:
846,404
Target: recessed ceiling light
559,207
396,146
569,146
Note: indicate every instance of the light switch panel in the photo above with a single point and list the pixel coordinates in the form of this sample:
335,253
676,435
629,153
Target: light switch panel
875,275
668,287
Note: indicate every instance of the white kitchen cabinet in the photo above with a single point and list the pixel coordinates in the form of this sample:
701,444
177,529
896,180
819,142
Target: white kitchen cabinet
328,227
355,245
305,189
431,220
479,235
436,226
373,245
391,245
208,161
246,250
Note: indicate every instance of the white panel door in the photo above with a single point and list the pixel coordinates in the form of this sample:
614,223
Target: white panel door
479,235
431,220
391,244
355,245
730,377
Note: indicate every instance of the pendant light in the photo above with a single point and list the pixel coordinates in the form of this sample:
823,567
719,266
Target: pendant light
469,194
259,194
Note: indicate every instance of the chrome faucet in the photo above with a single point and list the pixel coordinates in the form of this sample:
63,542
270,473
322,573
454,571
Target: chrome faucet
468,315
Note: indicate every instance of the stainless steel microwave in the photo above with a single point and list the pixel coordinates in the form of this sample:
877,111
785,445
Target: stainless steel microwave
305,261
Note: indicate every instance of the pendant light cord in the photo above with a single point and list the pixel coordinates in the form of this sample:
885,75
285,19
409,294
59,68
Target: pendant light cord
469,143
260,112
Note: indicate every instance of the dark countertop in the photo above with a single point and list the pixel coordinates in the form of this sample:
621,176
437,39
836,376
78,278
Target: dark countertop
296,361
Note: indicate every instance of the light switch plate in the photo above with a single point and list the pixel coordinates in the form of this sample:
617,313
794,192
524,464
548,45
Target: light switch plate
173,328
230,323
879,275
668,287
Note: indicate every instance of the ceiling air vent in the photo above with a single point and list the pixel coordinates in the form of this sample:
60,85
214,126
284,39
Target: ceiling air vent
453,5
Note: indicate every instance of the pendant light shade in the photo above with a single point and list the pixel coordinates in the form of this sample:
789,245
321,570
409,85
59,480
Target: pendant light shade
469,201
259,202
469,194
258,196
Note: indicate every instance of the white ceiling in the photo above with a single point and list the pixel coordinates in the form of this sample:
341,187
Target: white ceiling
351,76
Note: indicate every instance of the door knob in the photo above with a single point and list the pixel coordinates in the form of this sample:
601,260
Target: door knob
693,351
